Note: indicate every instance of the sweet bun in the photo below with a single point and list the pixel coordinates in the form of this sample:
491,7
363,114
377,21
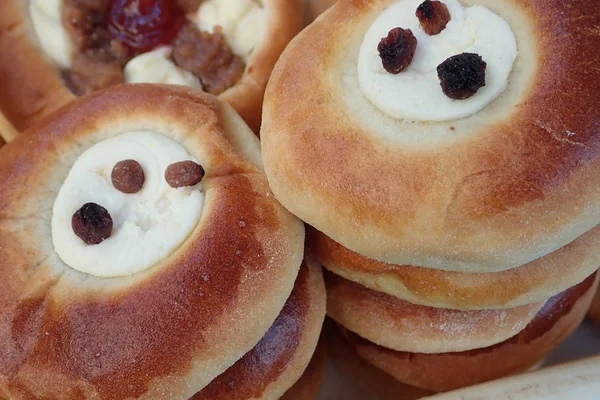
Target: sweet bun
309,384
594,312
485,193
399,325
533,282
171,328
559,317
31,85
278,361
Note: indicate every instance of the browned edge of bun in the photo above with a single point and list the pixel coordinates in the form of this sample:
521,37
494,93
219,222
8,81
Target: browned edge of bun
311,381
246,96
561,315
533,282
402,326
364,374
282,355
30,85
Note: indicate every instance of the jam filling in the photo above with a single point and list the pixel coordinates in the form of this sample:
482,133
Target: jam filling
109,33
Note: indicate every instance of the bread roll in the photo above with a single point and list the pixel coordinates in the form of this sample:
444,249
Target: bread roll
170,328
533,282
30,81
399,325
559,317
488,192
314,8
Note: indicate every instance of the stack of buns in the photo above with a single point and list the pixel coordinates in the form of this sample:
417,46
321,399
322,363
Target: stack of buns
192,284
459,249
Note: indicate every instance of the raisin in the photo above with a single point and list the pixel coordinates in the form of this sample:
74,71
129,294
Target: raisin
433,16
128,176
462,75
397,50
92,223
184,173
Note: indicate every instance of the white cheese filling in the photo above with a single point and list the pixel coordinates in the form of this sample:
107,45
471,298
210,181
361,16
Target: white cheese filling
415,94
147,226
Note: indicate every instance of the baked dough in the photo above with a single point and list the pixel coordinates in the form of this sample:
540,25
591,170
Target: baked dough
487,193
314,8
279,360
561,315
165,332
31,86
399,325
530,283
594,312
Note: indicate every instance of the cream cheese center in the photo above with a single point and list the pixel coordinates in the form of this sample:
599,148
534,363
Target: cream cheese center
415,94
147,226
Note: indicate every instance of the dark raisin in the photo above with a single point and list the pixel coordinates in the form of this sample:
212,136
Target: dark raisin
397,50
92,223
433,16
462,75
128,176
184,173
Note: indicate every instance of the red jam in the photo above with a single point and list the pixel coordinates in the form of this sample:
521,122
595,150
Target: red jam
144,25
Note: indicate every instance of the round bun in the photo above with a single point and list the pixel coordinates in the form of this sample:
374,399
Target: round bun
559,317
278,362
31,86
594,312
364,374
530,283
402,326
512,183
163,332
309,384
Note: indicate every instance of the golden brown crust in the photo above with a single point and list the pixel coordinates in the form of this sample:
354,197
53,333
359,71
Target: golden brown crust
309,384
31,86
476,199
594,312
402,326
360,371
533,282
246,96
281,356
170,329
561,315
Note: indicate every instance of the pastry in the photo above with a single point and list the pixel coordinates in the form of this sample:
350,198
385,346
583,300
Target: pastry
398,158
309,385
559,317
530,283
52,51
144,256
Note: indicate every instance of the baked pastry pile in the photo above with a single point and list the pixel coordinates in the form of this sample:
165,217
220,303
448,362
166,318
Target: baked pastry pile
143,256
52,51
446,156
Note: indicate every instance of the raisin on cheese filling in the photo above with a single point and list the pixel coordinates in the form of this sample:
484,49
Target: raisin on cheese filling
435,60
99,43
